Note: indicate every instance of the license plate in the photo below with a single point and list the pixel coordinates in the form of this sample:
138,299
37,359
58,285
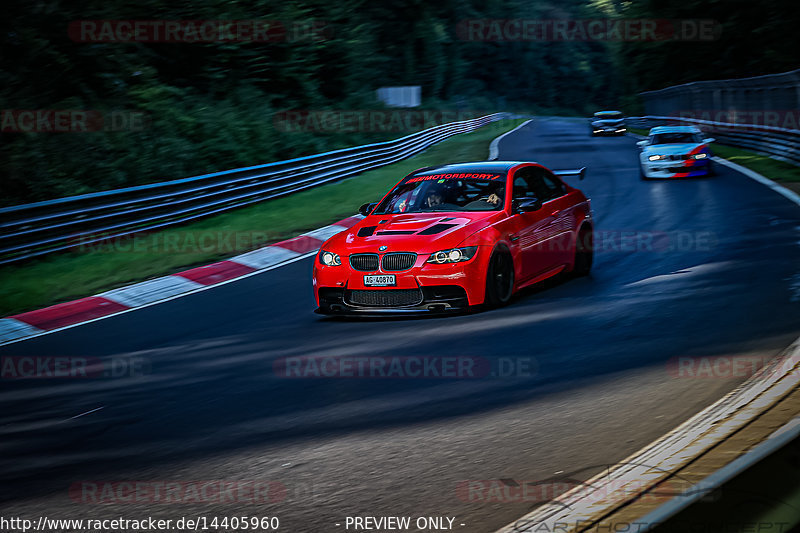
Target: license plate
386,280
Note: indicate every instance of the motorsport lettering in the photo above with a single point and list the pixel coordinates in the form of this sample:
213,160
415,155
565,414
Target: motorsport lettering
456,176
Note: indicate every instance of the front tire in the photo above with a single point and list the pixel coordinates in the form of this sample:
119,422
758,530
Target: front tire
499,279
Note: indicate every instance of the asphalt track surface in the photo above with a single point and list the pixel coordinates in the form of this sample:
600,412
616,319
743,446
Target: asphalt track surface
719,278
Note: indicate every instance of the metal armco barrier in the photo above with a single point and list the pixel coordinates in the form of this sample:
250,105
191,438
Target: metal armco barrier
759,113
759,94
40,228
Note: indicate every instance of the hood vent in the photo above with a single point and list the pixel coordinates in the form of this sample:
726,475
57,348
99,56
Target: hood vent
366,231
395,232
436,228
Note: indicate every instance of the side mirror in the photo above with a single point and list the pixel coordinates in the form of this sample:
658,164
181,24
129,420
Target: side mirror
641,143
709,140
366,209
526,205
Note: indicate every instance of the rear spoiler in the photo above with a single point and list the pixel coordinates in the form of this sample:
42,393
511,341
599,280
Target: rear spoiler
580,172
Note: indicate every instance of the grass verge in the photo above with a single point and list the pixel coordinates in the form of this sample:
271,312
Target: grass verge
67,276
780,171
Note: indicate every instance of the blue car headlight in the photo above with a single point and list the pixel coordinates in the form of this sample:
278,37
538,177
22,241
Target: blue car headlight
699,156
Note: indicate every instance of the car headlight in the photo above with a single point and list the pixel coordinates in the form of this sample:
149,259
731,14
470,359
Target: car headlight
455,255
656,157
699,156
329,258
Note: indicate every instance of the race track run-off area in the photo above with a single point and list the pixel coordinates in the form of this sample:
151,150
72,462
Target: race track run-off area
583,372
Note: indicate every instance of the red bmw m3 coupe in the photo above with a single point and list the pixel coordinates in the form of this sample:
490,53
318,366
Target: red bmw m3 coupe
456,236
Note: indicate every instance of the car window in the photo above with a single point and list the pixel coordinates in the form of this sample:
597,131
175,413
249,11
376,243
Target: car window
524,184
445,192
554,188
608,116
534,182
679,137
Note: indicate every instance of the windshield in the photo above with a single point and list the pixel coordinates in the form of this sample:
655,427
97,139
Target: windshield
608,115
445,192
675,138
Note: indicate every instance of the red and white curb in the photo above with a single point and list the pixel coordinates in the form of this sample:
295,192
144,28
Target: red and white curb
153,291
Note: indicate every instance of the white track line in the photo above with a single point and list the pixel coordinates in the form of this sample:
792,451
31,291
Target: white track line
780,189
494,150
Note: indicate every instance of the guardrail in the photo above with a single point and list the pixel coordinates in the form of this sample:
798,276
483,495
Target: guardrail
40,228
783,144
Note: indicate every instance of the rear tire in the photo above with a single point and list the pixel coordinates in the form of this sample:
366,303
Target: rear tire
584,252
499,279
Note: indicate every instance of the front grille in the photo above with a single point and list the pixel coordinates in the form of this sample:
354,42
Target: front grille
396,262
386,297
679,157
364,262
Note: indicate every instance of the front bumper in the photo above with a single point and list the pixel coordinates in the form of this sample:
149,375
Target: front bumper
609,131
688,168
435,299
424,288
